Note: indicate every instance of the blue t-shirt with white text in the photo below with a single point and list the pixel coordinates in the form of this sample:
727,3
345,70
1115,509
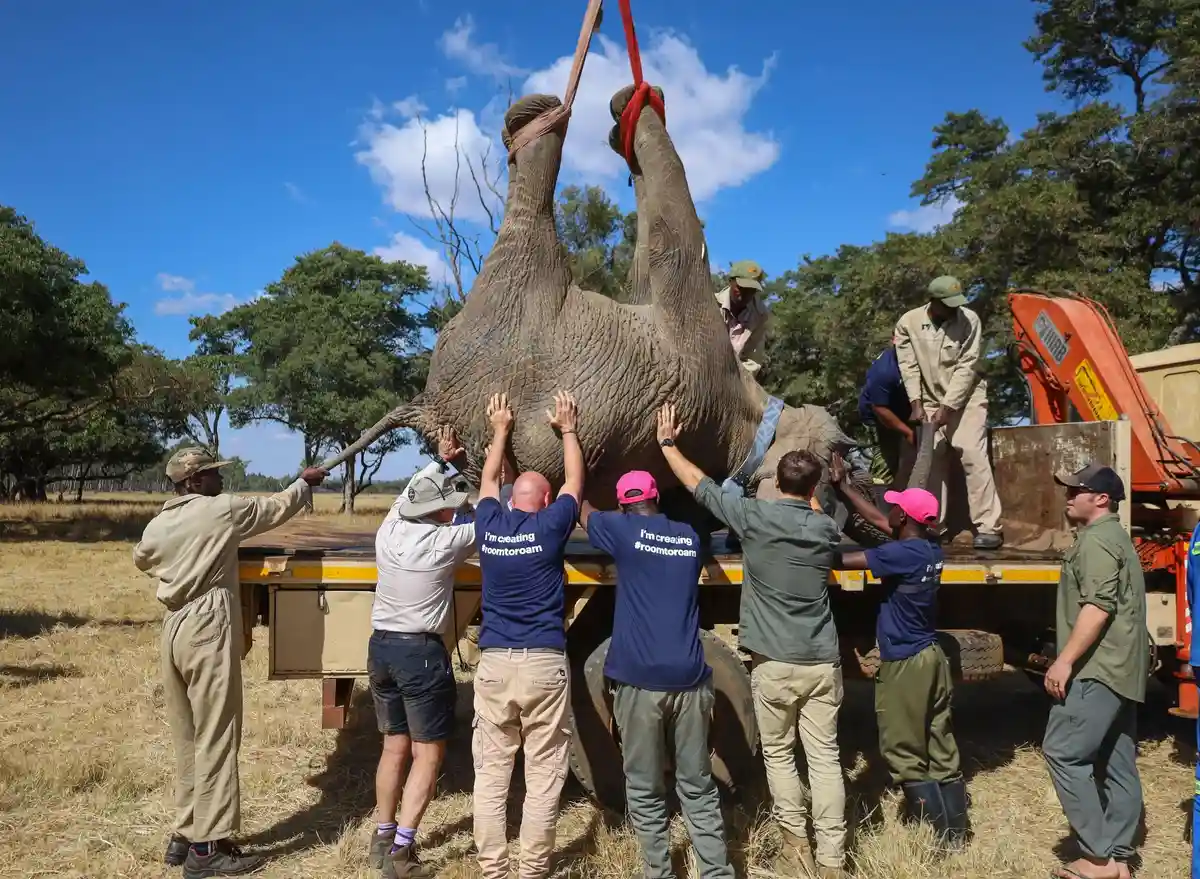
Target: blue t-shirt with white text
911,571
656,626
521,563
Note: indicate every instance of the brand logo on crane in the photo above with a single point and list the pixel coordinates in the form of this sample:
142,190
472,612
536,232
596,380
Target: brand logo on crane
1054,341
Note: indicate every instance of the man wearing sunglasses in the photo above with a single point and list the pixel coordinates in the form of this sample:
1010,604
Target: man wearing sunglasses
1098,678
418,548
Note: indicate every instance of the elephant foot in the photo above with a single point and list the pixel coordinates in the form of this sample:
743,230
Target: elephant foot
525,111
622,98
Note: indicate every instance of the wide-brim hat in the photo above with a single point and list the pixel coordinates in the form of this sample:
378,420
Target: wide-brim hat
426,495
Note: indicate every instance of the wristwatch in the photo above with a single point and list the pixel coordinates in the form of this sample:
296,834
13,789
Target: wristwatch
666,442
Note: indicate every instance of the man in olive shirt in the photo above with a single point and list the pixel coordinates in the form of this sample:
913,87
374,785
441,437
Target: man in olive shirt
787,624
1098,678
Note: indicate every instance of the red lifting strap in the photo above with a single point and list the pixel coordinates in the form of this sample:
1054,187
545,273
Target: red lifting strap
642,93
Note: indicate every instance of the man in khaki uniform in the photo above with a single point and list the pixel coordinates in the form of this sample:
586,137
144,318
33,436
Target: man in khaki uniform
745,313
190,548
939,346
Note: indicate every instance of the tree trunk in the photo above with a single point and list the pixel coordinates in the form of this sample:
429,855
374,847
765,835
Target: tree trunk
348,488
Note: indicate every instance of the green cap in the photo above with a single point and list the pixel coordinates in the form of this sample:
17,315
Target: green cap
747,273
948,290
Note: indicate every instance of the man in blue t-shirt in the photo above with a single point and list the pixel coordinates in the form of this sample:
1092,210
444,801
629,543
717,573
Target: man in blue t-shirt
522,684
912,686
663,687
883,405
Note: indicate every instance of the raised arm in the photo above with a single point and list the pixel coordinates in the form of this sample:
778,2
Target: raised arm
565,420
851,495
725,505
501,419
252,515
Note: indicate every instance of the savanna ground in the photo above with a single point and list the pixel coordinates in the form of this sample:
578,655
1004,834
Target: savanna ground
85,762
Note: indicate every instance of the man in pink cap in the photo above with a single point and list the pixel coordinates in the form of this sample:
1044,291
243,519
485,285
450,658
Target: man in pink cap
662,686
912,686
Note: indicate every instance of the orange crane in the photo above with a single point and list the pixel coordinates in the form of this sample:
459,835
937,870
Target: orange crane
1079,370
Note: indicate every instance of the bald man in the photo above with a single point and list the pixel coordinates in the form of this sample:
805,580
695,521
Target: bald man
522,689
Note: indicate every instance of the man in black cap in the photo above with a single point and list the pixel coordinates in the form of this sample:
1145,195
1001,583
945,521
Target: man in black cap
1098,678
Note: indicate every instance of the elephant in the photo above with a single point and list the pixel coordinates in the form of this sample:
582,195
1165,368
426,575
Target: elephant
527,330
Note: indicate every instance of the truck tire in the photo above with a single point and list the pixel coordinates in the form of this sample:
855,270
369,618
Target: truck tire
595,752
973,655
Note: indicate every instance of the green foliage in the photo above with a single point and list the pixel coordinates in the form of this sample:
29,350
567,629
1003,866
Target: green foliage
599,239
329,348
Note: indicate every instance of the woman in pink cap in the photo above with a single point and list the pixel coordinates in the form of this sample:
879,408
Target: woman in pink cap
912,686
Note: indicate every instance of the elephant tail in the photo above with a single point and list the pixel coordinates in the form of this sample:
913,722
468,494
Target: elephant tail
410,415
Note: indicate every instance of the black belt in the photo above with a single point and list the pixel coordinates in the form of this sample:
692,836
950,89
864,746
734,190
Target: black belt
408,636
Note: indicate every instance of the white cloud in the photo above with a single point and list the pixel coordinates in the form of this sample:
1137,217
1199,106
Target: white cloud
706,113
457,44
394,156
925,218
189,302
411,250
295,192
410,106
455,84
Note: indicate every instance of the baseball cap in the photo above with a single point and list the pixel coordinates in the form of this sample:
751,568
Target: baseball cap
747,273
189,461
636,485
947,289
1094,477
917,503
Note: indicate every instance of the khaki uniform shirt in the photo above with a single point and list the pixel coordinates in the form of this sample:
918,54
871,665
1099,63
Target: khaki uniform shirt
1102,568
191,546
787,552
747,329
938,363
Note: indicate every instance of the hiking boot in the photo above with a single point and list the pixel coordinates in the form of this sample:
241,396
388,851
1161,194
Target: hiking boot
989,541
381,844
795,857
177,850
954,803
223,859
403,863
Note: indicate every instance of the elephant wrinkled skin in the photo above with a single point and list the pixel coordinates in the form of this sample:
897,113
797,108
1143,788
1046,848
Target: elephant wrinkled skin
527,330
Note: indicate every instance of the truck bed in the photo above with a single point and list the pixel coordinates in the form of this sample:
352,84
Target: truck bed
310,536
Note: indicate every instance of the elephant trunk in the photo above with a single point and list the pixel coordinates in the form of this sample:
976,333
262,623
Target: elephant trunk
408,415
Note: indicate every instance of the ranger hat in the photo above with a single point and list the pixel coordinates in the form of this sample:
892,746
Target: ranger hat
427,493
747,273
947,290
187,462
1094,477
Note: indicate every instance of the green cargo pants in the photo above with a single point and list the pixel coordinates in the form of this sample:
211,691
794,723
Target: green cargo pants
912,708
647,721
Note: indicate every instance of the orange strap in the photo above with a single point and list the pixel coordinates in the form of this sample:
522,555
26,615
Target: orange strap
642,93
560,114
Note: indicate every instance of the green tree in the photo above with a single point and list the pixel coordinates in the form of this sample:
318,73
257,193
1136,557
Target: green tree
331,346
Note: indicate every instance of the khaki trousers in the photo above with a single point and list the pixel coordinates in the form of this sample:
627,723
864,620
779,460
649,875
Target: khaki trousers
202,684
966,435
521,698
788,697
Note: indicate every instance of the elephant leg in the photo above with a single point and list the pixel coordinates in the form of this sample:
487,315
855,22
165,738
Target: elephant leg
524,278
680,281
639,270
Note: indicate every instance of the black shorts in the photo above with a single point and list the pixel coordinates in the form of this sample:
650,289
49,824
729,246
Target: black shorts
412,683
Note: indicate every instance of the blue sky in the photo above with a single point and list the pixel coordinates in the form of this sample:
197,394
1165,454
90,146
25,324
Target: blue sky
188,152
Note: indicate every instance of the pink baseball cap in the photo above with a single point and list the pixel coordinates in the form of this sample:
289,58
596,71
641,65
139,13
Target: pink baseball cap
636,485
917,503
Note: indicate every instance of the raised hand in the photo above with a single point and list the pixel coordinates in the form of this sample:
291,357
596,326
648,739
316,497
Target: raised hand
447,447
565,416
499,415
668,425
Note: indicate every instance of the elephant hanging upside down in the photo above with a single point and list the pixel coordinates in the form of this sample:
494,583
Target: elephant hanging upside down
527,330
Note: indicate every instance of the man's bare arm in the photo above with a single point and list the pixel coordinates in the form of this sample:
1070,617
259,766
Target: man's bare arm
585,512
852,561
501,418
889,419
851,495
565,419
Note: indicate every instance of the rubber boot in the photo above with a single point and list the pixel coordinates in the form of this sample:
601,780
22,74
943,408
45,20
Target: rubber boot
954,805
924,801
177,850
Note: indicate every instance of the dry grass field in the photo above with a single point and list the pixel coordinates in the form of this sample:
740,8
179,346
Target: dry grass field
85,766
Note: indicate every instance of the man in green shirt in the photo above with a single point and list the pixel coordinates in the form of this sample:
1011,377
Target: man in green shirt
1098,678
787,625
